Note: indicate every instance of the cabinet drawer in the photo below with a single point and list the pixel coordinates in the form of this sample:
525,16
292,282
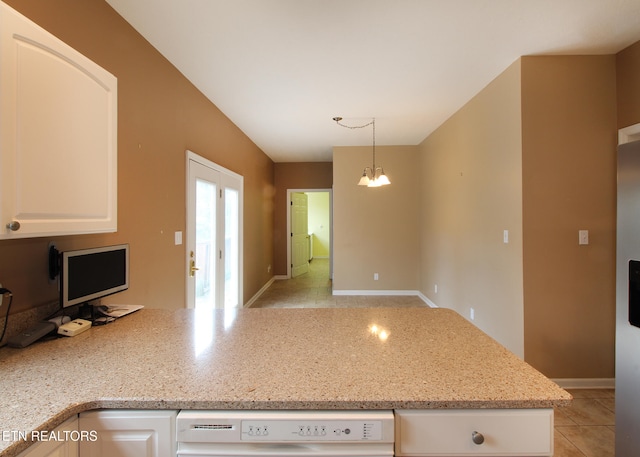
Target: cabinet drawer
505,432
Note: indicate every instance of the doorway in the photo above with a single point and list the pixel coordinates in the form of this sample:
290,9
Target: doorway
214,235
310,224
300,237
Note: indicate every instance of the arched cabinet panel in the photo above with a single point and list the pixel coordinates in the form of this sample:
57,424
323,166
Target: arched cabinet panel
58,135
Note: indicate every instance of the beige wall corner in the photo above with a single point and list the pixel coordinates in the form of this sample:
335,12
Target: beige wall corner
569,184
376,229
471,193
301,175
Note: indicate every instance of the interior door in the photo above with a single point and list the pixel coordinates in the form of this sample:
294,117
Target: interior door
299,234
214,235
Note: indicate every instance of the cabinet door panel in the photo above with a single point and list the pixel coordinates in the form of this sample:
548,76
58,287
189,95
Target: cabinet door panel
129,433
53,448
58,145
124,443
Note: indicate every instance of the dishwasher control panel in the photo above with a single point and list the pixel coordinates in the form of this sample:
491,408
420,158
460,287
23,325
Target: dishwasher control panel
311,430
285,426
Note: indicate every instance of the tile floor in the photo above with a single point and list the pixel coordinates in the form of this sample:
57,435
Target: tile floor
313,290
587,427
584,429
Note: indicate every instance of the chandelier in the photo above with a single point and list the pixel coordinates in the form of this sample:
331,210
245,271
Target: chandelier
371,176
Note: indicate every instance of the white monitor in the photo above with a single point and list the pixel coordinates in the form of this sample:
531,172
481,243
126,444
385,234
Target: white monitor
89,274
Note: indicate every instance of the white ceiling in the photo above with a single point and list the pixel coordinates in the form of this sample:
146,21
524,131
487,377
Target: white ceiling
281,69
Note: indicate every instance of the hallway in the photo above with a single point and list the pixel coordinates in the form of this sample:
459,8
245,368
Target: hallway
314,290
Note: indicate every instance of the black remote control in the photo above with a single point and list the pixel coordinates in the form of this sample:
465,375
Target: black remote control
31,335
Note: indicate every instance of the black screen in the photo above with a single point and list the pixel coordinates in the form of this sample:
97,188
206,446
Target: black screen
93,273
634,293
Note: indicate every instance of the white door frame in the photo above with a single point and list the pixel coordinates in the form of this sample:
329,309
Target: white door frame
192,156
291,191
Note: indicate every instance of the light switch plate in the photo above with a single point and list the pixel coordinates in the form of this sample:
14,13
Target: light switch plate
583,236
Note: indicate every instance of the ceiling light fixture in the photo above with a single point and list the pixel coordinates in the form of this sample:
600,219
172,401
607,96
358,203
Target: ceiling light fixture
371,176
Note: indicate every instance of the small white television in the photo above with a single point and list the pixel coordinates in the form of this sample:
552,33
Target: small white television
90,274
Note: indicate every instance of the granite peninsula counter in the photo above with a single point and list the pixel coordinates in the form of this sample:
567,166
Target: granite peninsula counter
369,358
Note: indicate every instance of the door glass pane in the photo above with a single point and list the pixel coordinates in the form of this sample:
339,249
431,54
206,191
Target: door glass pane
231,248
205,254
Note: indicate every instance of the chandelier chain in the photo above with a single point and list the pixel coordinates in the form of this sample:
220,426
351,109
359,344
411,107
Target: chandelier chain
353,127
372,176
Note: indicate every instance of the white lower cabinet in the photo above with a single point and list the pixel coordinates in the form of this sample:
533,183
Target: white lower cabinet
50,446
493,432
418,433
129,433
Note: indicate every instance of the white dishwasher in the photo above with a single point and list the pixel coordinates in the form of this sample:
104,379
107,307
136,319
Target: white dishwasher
285,433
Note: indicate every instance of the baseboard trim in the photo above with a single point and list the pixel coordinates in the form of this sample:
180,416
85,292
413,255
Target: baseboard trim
586,383
425,299
260,292
391,293
376,292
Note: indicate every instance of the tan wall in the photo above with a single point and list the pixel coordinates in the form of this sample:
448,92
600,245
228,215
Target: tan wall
563,168
160,115
375,229
628,85
304,175
569,184
471,192
320,223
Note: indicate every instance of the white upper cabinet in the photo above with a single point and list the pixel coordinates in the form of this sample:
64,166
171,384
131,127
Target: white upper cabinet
58,136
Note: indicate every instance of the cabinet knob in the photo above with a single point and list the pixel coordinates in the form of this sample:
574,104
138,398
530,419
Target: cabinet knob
13,226
477,437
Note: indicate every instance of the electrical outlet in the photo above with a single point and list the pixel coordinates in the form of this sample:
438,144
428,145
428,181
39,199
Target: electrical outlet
472,313
376,276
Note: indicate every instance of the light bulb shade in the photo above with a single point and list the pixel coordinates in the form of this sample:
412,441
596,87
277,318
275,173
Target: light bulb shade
382,179
364,180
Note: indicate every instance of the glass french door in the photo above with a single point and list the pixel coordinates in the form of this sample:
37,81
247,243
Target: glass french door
214,235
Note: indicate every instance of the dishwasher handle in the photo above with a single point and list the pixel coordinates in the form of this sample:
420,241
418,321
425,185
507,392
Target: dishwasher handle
285,449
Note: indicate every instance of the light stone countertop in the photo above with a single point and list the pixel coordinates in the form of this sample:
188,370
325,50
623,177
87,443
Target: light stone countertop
266,359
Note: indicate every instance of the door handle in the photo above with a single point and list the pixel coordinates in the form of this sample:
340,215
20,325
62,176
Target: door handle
192,265
192,268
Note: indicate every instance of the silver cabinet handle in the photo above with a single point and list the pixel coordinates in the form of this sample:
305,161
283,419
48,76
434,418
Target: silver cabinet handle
477,437
13,226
